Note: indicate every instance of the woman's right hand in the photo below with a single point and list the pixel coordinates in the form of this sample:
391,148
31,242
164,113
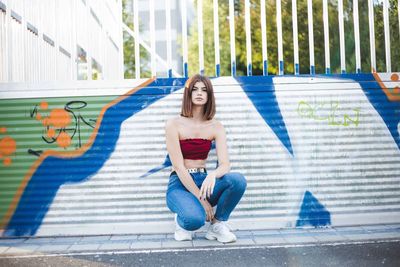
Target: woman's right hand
208,209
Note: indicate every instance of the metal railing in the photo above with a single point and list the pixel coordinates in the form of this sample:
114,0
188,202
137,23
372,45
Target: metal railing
341,16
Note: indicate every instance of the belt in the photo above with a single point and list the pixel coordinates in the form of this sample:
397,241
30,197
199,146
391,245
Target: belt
192,170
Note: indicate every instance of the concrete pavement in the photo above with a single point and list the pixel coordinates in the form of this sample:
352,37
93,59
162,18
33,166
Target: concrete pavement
113,244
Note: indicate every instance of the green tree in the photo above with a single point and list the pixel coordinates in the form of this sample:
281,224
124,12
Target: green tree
129,48
272,43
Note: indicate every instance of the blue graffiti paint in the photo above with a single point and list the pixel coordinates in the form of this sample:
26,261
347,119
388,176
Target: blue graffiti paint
312,70
260,91
312,212
388,110
296,69
265,67
53,172
217,70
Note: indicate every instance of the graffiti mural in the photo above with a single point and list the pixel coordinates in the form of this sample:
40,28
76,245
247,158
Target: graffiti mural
316,151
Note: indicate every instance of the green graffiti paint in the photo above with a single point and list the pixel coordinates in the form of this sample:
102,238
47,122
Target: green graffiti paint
328,111
37,125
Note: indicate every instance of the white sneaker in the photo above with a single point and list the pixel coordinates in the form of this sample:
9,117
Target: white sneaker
221,232
180,233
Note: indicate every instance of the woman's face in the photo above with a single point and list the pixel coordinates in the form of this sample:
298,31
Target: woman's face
199,94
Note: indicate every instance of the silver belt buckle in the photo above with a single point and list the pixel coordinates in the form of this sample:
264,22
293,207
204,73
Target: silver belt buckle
194,170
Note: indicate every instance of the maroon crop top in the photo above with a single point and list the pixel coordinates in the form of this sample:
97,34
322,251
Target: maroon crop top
196,148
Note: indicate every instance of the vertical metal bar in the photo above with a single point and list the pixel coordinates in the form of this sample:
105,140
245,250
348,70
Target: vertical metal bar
372,34
137,42
295,39
168,29
121,48
8,46
341,37
248,36
387,34
152,40
279,29
216,39
357,36
326,37
200,35
311,36
232,37
74,64
184,40
264,38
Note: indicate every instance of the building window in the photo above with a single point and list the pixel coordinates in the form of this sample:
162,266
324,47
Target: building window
97,73
82,65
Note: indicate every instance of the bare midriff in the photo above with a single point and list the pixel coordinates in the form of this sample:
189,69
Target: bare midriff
193,163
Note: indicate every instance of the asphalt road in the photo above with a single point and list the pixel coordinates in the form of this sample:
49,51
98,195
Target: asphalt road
366,254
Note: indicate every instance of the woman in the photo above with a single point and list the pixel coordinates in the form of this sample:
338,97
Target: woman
192,190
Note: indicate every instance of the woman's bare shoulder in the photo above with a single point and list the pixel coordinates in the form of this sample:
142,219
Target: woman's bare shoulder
217,124
172,122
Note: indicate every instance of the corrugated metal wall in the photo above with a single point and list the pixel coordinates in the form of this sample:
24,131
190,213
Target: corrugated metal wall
316,151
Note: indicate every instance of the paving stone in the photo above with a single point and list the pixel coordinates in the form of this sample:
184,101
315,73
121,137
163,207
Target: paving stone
171,236
321,230
116,246
28,249
300,239
12,240
176,244
330,238
242,242
375,227
297,230
265,232
152,237
3,249
393,226
124,237
53,248
269,240
84,247
349,228
146,245
67,239
372,236
206,243
92,239
41,240
244,234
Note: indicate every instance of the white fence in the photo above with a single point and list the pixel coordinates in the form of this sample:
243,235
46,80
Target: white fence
267,5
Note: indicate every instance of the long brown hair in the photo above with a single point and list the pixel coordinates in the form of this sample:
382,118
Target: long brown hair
187,105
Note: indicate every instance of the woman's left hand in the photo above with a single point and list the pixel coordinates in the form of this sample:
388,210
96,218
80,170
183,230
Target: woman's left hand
207,187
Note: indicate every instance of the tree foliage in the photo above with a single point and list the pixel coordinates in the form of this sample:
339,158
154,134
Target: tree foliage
272,43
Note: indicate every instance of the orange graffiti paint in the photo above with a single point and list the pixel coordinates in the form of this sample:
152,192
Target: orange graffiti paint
44,105
68,154
394,77
38,116
63,139
7,146
45,121
59,118
7,161
51,133
3,130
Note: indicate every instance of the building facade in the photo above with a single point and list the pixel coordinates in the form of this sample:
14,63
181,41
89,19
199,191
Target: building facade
60,40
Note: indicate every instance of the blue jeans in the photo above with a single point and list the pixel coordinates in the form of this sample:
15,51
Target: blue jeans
228,190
